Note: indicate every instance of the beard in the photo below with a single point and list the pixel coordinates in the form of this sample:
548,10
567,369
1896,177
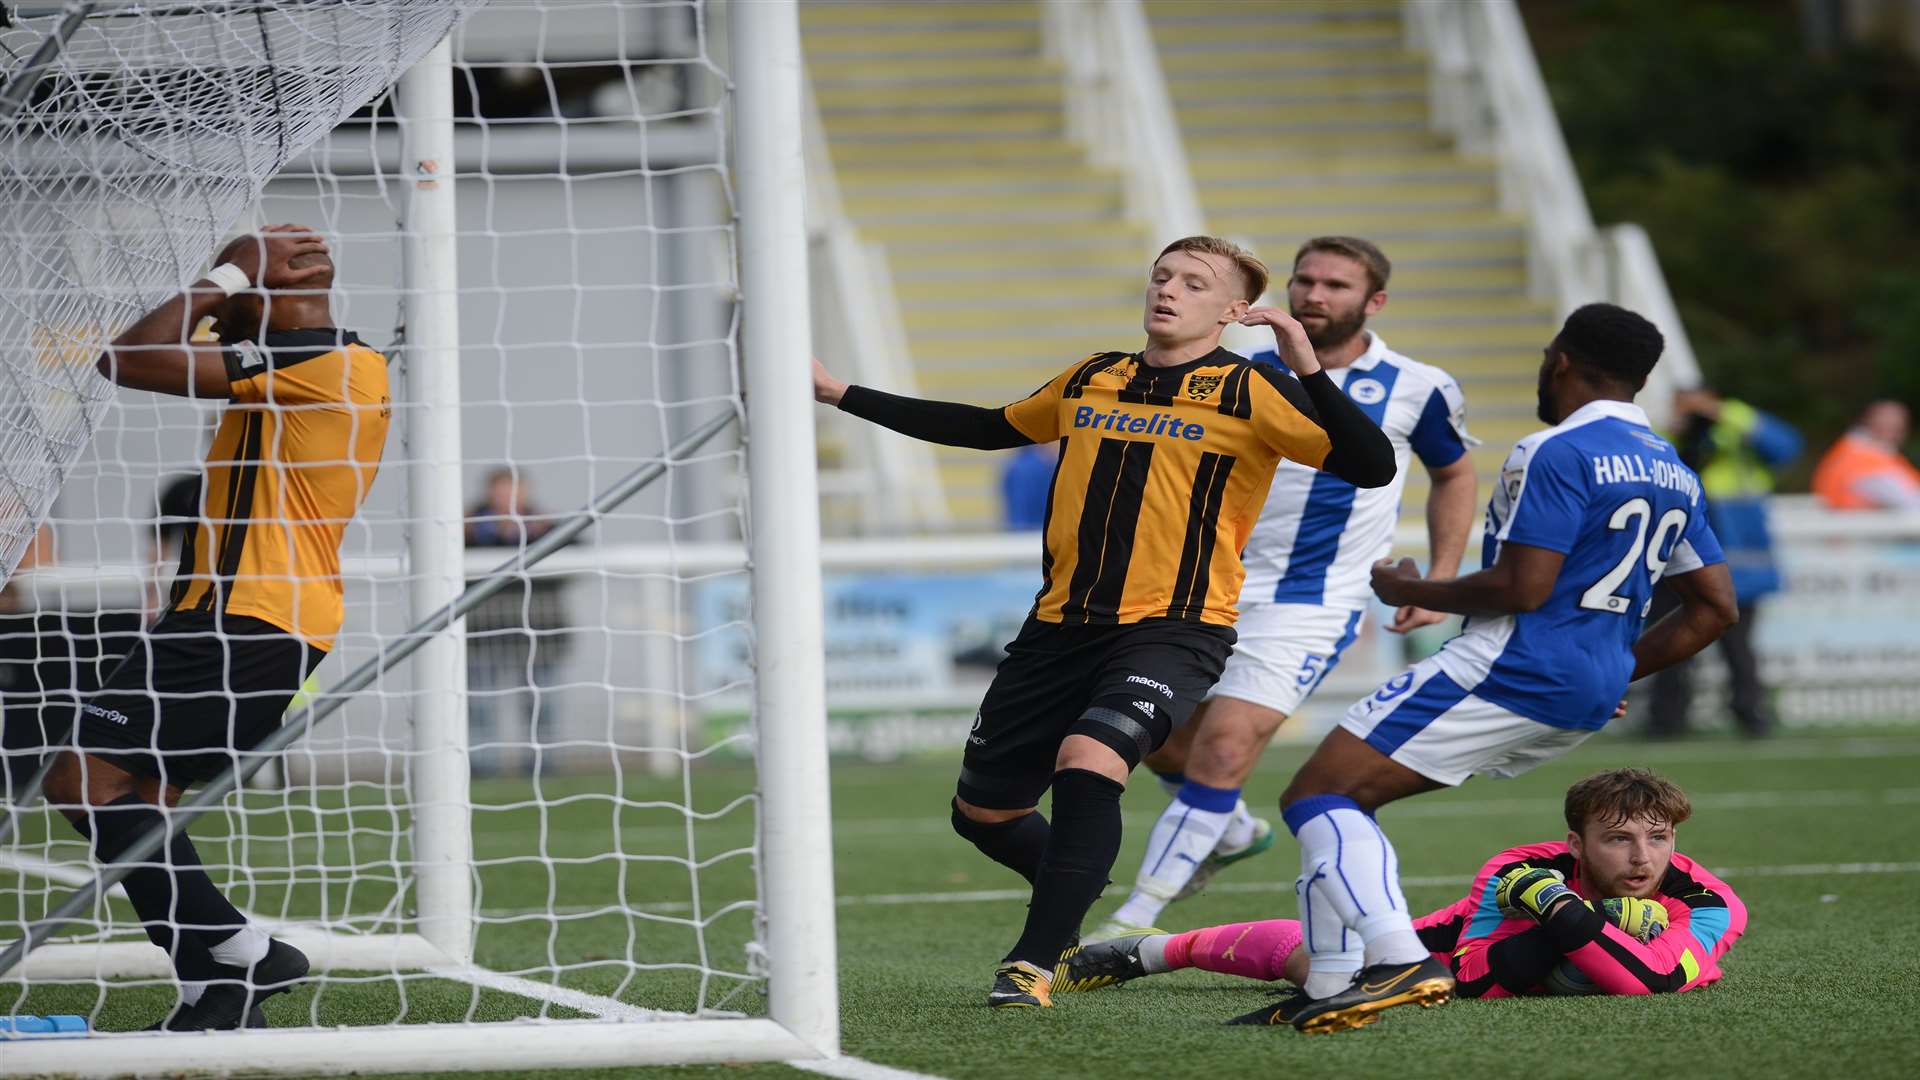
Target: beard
1339,328
1543,402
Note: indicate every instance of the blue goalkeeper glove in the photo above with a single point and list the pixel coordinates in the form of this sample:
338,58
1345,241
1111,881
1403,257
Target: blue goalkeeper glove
1531,891
1643,920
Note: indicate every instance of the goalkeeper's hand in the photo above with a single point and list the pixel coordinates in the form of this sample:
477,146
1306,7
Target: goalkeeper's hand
1643,920
1532,891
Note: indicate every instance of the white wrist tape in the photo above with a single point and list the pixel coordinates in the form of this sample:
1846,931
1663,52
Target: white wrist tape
230,278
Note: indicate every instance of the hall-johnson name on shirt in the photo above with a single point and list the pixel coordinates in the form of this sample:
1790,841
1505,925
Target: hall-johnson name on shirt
1634,469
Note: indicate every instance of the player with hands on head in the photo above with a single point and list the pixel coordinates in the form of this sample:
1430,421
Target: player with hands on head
1166,456
282,274
1306,592
1612,909
255,604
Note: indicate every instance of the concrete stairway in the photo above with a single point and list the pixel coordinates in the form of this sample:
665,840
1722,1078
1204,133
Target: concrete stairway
1010,256
1305,118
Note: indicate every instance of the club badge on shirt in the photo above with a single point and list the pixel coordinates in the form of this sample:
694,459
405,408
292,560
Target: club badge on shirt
1366,391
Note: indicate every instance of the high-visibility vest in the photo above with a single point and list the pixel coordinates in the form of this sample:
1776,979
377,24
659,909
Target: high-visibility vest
1836,479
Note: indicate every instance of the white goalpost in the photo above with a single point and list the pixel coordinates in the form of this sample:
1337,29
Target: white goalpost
506,831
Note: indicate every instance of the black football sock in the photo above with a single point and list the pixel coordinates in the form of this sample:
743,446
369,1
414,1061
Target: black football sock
1080,851
1016,845
168,899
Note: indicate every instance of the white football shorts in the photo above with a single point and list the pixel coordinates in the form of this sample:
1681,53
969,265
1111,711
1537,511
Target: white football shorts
1285,652
1427,722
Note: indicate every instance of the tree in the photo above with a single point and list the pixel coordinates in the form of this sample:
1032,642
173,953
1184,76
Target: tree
1780,186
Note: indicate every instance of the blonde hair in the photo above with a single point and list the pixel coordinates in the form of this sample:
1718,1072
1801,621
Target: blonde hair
1360,251
1252,271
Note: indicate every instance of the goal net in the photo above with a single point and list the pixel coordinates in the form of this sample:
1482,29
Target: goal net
572,228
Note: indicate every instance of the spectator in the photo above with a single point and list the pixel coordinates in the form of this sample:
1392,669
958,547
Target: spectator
516,639
1025,484
1735,448
1865,470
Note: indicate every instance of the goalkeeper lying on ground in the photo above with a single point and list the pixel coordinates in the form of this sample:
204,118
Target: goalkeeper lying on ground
1613,909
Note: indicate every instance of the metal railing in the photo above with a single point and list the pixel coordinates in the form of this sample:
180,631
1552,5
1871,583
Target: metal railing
1118,107
1486,91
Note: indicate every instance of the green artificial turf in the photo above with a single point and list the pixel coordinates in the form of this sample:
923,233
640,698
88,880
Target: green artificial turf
1826,980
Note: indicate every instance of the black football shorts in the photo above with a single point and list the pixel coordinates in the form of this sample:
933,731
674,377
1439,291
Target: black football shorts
196,688
1133,683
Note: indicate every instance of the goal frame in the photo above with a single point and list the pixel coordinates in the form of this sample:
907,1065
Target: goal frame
795,844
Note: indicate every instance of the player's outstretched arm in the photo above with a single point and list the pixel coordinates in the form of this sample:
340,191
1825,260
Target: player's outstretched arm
1519,581
1707,607
945,422
157,352
1362,455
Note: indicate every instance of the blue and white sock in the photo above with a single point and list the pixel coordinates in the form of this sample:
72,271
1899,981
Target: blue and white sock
1333,951
1181,840
1170,782
1353,872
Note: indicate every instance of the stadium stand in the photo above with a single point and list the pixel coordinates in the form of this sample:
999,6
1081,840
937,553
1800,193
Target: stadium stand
1312,118
1012,255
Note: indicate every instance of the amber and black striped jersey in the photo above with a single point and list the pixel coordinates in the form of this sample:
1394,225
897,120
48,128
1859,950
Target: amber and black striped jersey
1162,473
290,464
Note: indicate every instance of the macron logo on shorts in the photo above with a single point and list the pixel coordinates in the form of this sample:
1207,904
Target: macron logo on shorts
1165,690
114,715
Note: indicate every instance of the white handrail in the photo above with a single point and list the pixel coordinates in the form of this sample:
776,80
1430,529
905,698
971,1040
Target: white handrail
1636,282
857,324
1118,107
1487,92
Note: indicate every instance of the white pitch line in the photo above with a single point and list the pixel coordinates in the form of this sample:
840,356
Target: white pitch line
979,896
931,825
1796,749
1721,800
1422,808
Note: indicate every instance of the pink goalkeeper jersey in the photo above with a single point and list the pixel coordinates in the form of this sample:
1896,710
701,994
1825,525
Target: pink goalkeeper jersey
1492,959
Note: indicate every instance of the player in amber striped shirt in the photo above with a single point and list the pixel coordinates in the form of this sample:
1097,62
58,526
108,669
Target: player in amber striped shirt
1165,460
256,602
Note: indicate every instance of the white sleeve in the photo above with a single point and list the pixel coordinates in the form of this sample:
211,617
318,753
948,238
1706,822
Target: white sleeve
1684,560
